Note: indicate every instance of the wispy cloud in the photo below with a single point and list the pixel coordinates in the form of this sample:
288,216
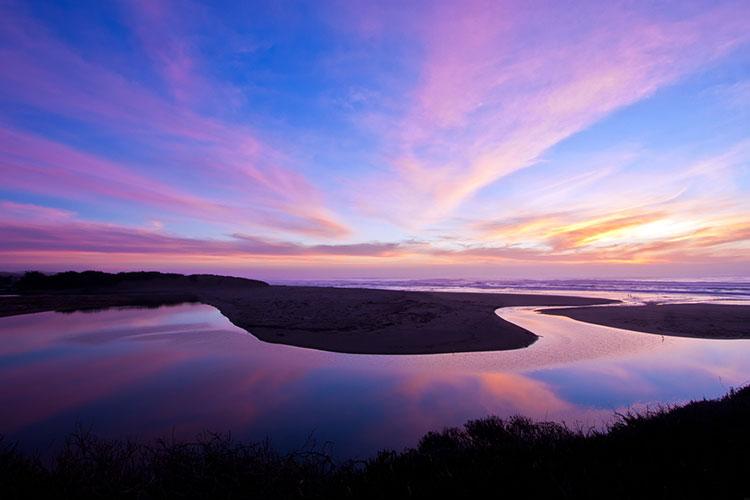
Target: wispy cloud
431,134
33,229
44,72
502,83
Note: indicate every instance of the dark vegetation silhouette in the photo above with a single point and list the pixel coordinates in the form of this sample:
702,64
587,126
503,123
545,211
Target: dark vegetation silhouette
72,291
35,281
7,281
700,450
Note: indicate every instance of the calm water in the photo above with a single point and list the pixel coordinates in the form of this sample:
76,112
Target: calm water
183,369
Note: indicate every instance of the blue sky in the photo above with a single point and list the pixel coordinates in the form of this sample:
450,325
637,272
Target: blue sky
321,139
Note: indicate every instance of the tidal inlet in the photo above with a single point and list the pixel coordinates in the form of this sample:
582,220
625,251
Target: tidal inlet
374,249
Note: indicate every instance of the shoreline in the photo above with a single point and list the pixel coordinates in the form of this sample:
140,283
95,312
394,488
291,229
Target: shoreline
694,320
365,320
347,320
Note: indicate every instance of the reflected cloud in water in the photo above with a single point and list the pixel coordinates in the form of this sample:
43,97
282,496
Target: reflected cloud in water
184,369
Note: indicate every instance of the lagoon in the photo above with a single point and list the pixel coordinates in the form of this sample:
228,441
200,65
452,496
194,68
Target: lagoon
177,371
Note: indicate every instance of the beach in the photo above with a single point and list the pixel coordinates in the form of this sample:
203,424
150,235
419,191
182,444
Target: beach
146,356
706,321
374,321
358,321
368,321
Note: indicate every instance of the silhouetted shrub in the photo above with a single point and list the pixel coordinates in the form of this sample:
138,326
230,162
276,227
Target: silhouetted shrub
34,281
696,451
8,282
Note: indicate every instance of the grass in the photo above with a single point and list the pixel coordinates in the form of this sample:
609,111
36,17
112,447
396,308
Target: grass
700,450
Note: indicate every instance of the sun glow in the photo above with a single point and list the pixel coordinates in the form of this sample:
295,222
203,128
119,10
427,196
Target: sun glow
472,134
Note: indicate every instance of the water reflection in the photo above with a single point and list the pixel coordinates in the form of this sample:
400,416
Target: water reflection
183,369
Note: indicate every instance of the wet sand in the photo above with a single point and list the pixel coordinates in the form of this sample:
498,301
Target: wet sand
707,321
360,321
371,321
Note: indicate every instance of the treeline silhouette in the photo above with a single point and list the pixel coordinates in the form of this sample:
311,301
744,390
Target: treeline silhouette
699,450
35,281
7,281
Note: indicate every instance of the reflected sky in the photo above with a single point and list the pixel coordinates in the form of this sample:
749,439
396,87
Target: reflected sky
181,370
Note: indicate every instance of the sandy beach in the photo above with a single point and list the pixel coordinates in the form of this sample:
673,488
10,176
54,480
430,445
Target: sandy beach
372,321
365,321
707,321
381,321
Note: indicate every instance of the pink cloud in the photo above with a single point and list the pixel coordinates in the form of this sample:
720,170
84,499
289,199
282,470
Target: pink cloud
35,234
501,83
491,88
32,232
44,72
41,166
17,212
163,29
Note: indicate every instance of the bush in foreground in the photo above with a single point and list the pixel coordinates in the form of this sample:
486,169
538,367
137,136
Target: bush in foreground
700,450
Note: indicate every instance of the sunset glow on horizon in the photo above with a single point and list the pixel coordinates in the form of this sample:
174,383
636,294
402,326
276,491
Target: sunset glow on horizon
349,139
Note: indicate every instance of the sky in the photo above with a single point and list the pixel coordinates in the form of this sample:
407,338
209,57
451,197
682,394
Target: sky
519,139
